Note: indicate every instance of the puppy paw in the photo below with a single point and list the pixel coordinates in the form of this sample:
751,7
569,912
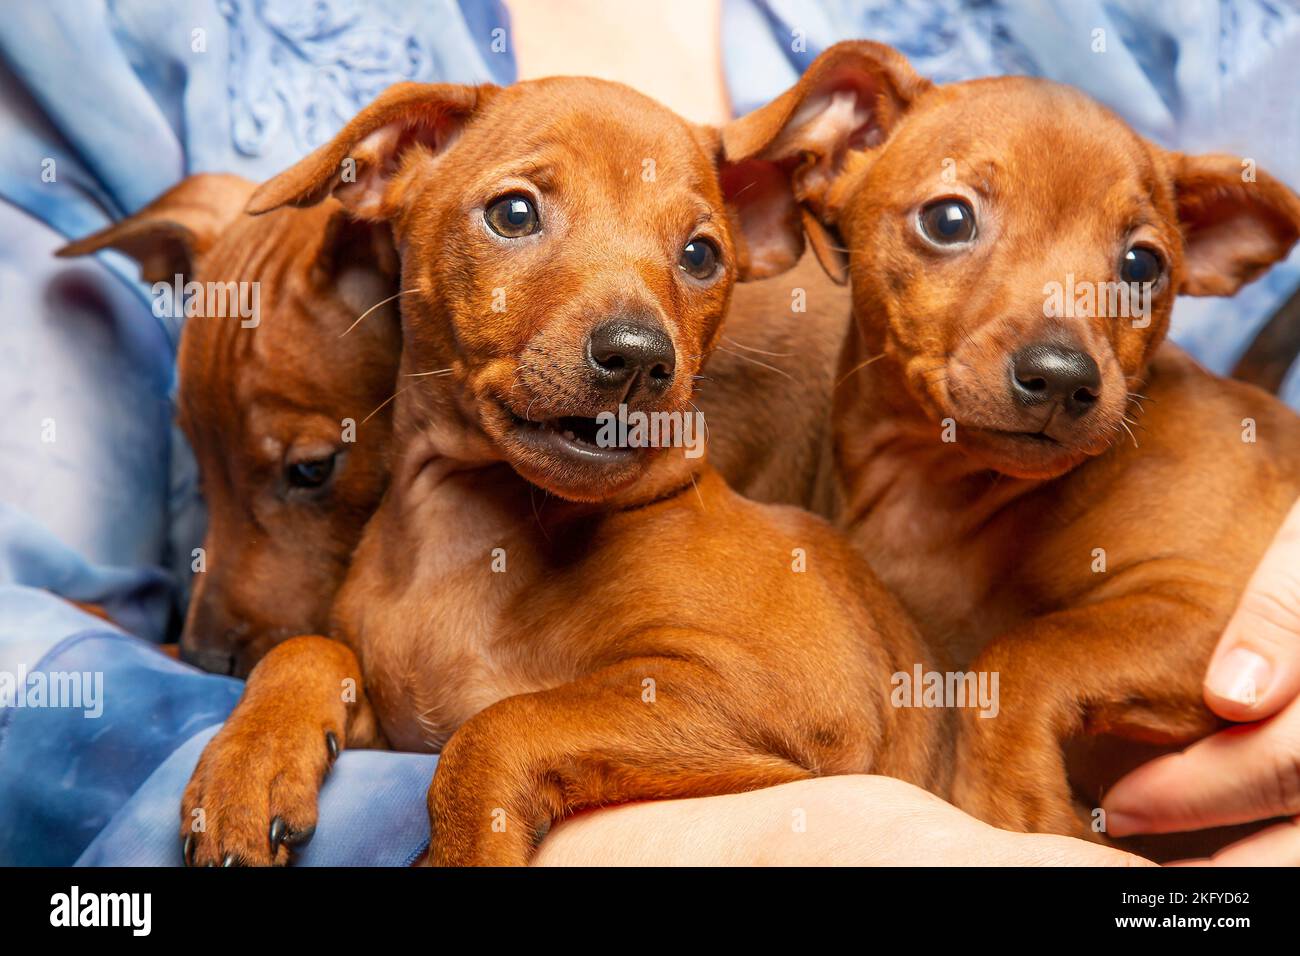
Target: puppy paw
253,797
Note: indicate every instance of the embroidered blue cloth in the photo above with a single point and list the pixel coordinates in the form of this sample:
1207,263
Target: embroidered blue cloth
101,110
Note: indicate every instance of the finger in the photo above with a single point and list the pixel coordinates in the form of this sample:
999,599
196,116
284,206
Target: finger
1255,670
1242,774
1277,845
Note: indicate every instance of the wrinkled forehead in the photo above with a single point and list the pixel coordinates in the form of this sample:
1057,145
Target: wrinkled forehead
1026,137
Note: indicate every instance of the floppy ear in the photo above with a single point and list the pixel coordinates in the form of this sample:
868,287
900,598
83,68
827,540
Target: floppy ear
784,156
1236,222
167,236
347,242
358,164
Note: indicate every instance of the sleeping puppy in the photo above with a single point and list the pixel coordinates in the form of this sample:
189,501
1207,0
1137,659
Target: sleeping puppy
285,410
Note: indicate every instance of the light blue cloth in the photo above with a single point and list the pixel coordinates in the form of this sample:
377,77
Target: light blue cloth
100,111
103,506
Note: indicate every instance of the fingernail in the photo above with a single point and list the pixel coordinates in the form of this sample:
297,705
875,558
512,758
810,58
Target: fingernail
1123,824
1240,675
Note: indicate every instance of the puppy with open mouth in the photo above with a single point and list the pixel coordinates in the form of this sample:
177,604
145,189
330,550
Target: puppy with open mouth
571,624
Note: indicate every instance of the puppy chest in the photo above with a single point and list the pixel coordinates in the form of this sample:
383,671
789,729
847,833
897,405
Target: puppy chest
448,646
954,584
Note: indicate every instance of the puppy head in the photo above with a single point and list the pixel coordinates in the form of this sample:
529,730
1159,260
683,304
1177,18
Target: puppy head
566,249
282,414
1014,248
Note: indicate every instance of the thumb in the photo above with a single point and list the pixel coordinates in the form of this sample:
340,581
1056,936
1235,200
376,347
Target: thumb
1255,670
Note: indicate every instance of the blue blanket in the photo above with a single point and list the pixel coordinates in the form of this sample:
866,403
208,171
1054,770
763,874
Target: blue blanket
100,111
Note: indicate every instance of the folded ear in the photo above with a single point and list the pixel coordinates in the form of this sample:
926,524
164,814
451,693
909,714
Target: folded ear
350,243
358,164
784,156
167,236
1236,222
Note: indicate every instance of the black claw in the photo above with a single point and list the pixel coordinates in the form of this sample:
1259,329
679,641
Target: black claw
279,831
300,837
231,860
187,851
332,745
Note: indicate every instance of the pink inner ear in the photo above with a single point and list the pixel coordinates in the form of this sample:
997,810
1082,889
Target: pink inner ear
370,168
1231,236
758,193
1229,253
828,127
378,156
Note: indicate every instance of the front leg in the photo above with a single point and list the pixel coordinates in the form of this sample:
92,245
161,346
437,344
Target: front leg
644,728
1129,665
252,797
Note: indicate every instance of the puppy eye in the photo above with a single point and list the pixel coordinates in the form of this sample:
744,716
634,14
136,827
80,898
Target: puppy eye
948,222
699,258
310,474
512,217
1140,265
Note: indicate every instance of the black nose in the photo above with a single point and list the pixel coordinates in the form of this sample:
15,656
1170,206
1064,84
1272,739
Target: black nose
1046,373
631,356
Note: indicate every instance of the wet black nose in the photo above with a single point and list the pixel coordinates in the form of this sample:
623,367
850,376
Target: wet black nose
1047,373
631,356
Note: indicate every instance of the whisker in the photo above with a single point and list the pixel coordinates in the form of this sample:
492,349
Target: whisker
746,358
377,305
436,371
385,402
703,418
1130,432
750,348
697,492
537,513
858,368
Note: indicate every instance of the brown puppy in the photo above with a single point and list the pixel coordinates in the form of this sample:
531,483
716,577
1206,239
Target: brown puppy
281,529
571,623
1057,496
283,410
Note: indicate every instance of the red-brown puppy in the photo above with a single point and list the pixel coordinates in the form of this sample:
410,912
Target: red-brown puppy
1056,495
290,424
285,412
571,623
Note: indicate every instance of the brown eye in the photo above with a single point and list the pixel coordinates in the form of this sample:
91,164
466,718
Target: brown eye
948,222
699,259
512,217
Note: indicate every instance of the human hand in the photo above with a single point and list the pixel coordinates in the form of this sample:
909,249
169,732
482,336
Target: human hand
827,821
1248,772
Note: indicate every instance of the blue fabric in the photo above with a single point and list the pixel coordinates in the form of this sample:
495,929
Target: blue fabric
100,111
149,705
373,812
98,497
